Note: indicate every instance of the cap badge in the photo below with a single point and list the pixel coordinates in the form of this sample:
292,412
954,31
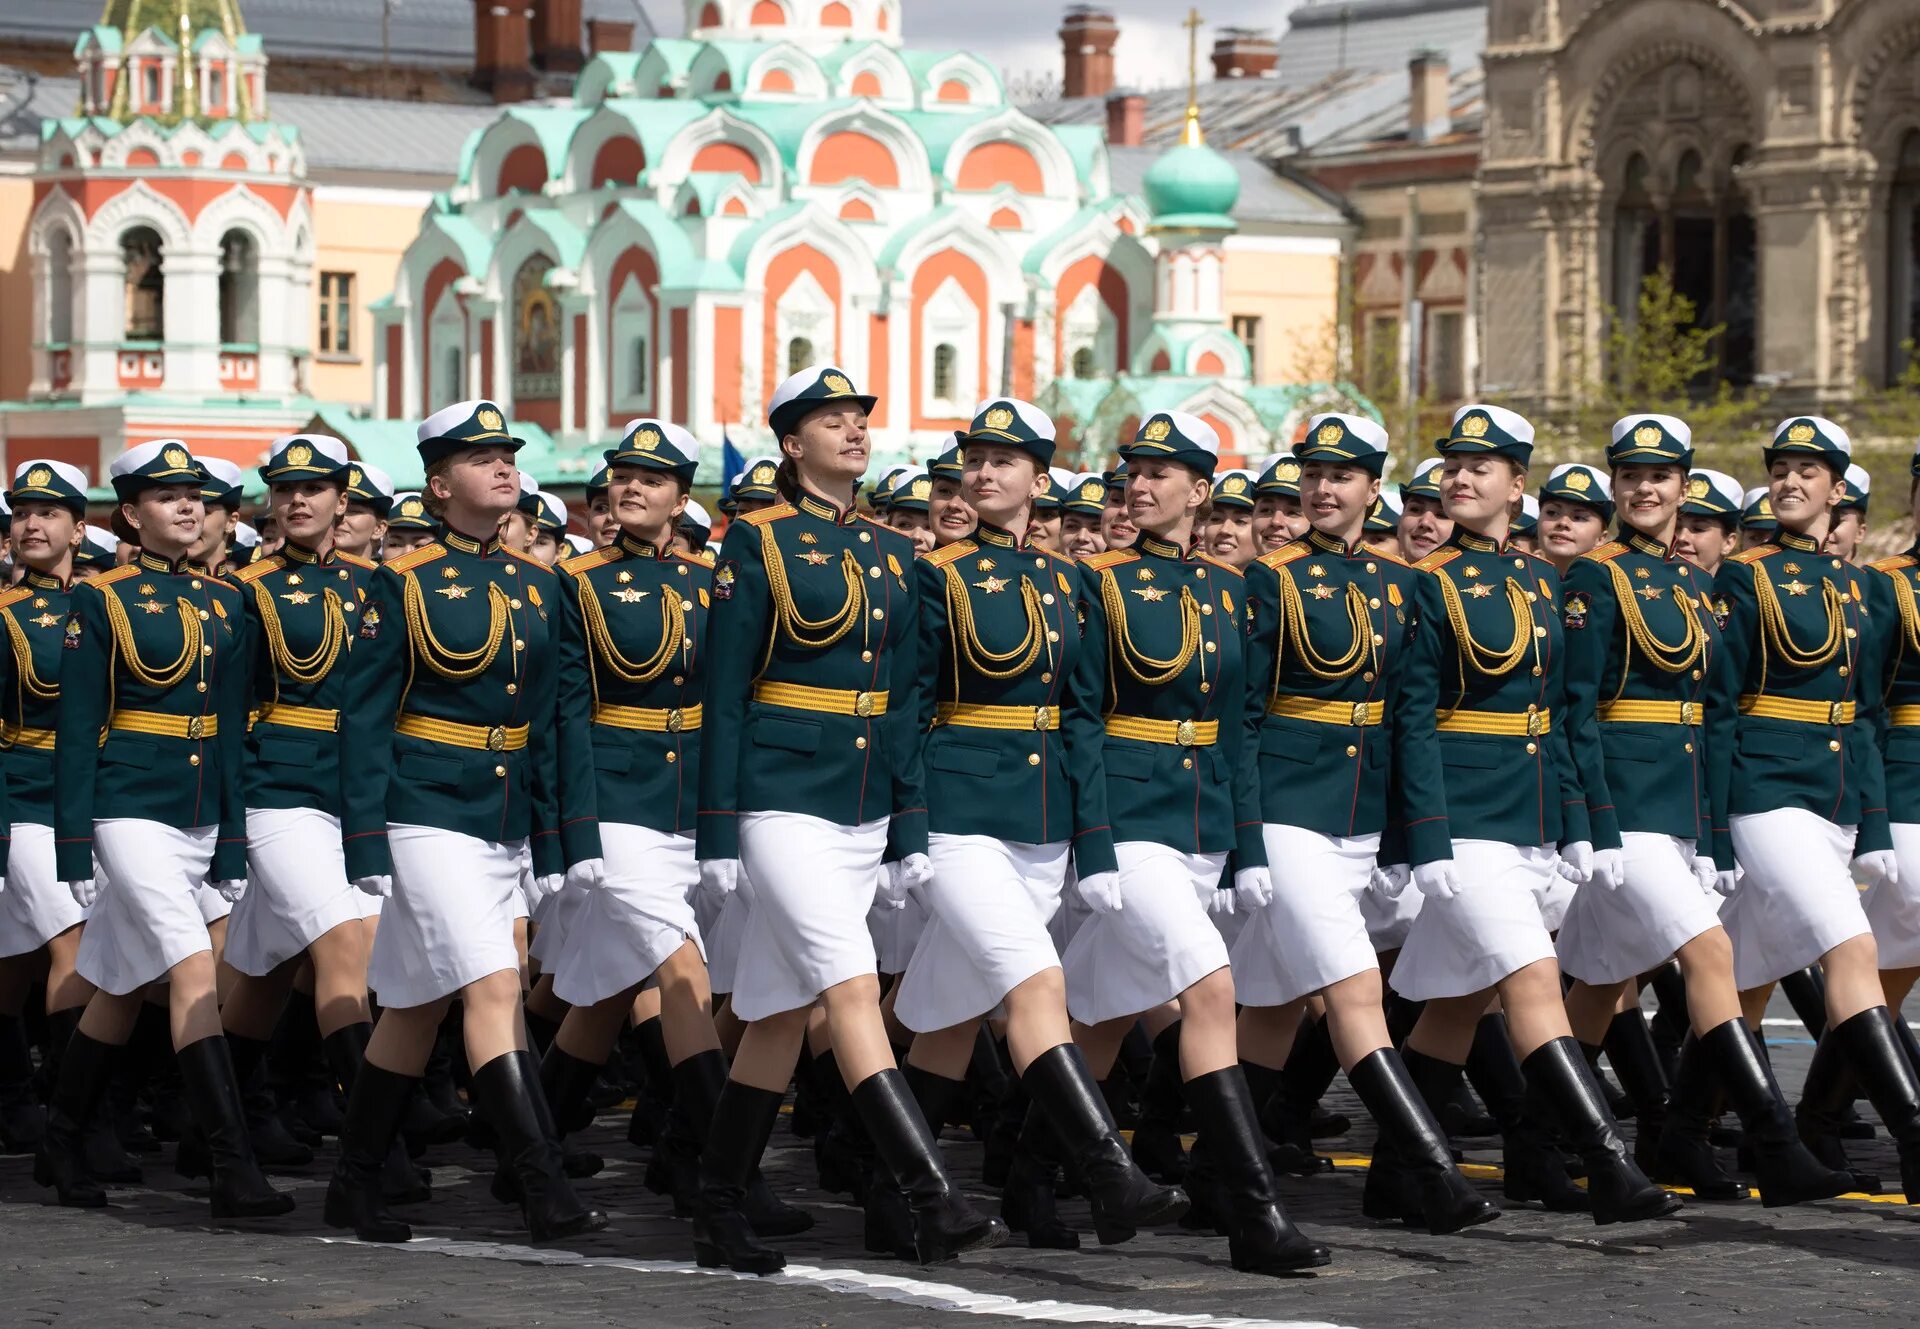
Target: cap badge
1157,430
1234,484
1579,481
1698,487
489,418
176,458
413,507
1096,493
1288,471
837,385
1801,433
1475,426
39,478
299,455
999,418
354,478
1648,436
762,475
647,440
1329,434
921,489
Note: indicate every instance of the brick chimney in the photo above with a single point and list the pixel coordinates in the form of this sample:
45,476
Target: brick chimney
606,34
1087,35
1245,53
502,41
556,36
1429,106
1126,120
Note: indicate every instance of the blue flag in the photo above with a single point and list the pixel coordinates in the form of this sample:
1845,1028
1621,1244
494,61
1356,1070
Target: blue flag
731,462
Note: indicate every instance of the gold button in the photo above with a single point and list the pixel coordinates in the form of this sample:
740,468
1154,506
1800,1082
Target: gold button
1201,573
679,680
1047,599
1850,631
686,604
1531,597
1536,671
513,603
687,642
511,569
200,687
1033,759
1054,636
672,757
1833,745
879,613
1519,562
1046,678
1844,671
1539,632
1532,748
194,760
859,742
1836,562
1373,602
864,537
1206,687
1352,751
681,570
866,657
204,615
343,574
500,771
1379,640
196,583
1206,609
1210,646
1697,674
206,650
519,645
1372,567
1367,677
512,688
1689,747
1187,763
1039,562
871,572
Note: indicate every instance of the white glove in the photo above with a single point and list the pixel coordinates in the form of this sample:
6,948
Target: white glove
914,872
232,890
1101,892
1437,880
85,892
588,874
1879,868
1253,888
379,885
1728,882
1575,862
719,877
1609,869
1706,874
1389,882
549,884
1218,900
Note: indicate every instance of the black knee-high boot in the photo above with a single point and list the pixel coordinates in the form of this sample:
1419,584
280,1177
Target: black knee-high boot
1028,1203
1671,1023
945,1224
842,1153
346,1052
75,1104
1685,1154
1304,1080
1124,1198
515,1102
722,1236
240,1189
301,1075
888,1227
1806,991
1260,1237
1620,1192
654,1098
23,1122
1535,1170
272,1144
437,1115
1289,1131
1156,1140
378,1101
1872,1046
1629,1047
1826,1096
1413,1176
1787,1173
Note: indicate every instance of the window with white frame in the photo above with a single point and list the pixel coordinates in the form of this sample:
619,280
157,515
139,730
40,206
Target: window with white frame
950,332
1091,333
214,86
799,354
632,349
446,350
803,321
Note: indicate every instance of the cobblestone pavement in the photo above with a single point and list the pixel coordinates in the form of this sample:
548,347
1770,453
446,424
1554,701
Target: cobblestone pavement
152,1260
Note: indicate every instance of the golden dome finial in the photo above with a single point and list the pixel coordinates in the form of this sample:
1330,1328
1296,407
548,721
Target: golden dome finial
1190,135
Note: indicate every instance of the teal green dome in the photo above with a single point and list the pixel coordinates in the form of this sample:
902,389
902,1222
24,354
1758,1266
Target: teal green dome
1192,187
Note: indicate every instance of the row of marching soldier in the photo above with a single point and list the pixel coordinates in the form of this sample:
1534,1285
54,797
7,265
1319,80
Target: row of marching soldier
982,804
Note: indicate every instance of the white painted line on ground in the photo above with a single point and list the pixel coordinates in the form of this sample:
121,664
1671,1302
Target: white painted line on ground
853,1282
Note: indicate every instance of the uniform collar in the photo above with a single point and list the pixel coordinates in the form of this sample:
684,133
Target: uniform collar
993,535
1804,544
1153,544
1646,545
467,544
154,563
826,510
294,553
1477,544
1327,544
633,548
43,581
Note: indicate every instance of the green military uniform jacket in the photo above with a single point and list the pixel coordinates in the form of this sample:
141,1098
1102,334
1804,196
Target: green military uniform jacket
1899,631
1327,643
1487,676
1013,738
812,677
453,724
1800,646
302,616
152,711
1650,701
35,615
633,624
1169,633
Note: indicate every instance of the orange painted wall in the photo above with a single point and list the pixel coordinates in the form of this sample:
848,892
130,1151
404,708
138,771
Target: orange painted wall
396,373
723,157
1000,163
728,345
879,361
1023,366
682,352
634,265
1113,291
81,452
927,279
854,156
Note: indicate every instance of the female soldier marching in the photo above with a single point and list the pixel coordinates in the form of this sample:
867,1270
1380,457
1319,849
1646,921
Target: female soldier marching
810,779
1325,663
1012,762
1165,631
1649,714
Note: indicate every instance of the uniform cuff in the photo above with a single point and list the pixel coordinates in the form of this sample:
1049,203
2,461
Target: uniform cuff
717,836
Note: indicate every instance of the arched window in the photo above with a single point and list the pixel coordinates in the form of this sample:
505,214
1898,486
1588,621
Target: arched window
799,354
1083,363
946,358
239,285
59,286
536,333
140,250
1903,321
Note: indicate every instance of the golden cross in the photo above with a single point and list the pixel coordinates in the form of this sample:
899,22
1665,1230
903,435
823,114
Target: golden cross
1190,133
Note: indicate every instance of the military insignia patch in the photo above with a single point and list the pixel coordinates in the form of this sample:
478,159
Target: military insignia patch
533,594
1066,588
1157,430
1475,426
489,419
299,455
219,609
1578,481
72,641
39,478
1393,595
1721,610
809,538
146,588
45,620
1226,601
1574,616
723,580
837,385
370,623
893,566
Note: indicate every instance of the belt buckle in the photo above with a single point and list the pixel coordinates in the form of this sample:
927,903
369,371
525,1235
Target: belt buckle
1042,717
1359,714
1184,732
676,719
196,726
1534,724
496,738
863,704
1835,710
1688,715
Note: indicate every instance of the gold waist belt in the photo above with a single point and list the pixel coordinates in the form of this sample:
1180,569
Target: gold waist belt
968,716
1900,717
1506,724
1175,733
826,701
481,738
326,721
15,737
1357,714
672,720
164,726
1654,712
1802,712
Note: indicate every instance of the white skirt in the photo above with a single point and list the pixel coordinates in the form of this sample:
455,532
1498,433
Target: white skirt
213,906
1611,936
297,890
1314,933
450,921
990,902
1557,895
1389,917
895,932
813,882
35,905
526,894
723,926
148,917
1072,914
1797,900
1160,943
554,918
626,928
1894,911
1492,928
